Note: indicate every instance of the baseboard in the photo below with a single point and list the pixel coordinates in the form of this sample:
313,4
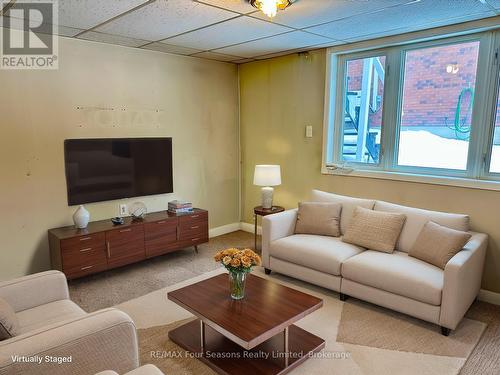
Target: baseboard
219,231
233,227
488,296
250,228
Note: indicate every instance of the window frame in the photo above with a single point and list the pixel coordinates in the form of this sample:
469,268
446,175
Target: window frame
339,115
493,79
476,173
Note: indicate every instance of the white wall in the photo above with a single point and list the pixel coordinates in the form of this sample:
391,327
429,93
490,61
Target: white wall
198,103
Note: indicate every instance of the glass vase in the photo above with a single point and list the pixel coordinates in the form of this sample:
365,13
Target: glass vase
237,284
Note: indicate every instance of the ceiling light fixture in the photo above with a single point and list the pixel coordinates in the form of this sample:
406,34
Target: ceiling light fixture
270,7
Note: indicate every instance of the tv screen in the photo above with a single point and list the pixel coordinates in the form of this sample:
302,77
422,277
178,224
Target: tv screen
106,169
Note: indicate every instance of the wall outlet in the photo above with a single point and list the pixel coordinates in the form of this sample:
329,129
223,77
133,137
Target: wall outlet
309,131
123,210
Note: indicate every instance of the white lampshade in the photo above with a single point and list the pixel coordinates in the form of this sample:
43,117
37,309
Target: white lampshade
267,175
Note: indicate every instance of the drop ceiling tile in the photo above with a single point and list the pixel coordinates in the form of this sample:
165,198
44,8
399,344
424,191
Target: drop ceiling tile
164,18
304,13
238,30
240,6
297,50
14,18
392,32
243,61
409,16
17,24
216,56
112,39
274,44
80,14
278,54
14,22
67,31
162,47
85,14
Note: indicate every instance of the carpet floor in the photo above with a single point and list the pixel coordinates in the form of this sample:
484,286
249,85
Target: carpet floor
117,286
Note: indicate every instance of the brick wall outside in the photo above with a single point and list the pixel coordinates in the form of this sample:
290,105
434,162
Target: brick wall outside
430,92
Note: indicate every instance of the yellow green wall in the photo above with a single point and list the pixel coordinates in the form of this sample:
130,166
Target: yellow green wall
199,103
279,97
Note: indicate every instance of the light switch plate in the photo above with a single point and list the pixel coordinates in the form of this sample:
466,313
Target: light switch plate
309,131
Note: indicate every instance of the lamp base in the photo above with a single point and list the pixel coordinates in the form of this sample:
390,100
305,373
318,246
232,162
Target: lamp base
267,197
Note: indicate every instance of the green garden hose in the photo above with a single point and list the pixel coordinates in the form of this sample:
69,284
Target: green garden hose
461,129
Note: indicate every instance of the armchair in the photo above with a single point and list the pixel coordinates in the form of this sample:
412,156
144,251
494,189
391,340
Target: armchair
58,337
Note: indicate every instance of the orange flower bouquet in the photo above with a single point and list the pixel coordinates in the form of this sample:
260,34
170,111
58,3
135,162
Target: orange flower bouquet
238,263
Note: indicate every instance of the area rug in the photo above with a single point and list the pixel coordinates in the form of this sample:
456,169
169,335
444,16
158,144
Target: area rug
360,338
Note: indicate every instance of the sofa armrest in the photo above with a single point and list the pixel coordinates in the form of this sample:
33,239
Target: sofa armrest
35,290
104,340
462,280
274,227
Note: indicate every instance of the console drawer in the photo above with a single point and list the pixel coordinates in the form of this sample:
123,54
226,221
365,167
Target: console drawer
161,245
193,219
193,241
84,257
160,229
83,242
193,230
121,235
85,269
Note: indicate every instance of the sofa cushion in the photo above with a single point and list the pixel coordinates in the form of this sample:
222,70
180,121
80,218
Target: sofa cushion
9,324
47,314
348,205
437,244
321,253
416,218
322,218
396,273
375,230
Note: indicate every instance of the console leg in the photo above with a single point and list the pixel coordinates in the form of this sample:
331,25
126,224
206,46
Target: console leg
267,271
196,249
343,296
445,331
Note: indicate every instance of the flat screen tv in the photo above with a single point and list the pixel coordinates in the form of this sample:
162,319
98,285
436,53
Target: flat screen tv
116,168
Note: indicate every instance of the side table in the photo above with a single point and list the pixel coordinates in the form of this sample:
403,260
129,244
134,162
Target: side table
260,211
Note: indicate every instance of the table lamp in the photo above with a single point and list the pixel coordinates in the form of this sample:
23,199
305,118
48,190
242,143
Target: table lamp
267,176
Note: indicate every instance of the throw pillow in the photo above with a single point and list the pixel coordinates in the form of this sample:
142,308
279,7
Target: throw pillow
374,230
8,321
318,218
349,204
437,244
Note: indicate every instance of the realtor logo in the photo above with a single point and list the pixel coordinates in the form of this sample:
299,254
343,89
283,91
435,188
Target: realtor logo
28,38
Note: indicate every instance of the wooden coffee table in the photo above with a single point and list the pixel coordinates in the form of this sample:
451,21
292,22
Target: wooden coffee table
255,335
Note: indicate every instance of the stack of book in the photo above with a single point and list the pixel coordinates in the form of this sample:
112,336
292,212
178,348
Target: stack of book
177,207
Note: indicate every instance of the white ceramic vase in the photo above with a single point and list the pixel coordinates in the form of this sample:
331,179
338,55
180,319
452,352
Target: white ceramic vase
81,217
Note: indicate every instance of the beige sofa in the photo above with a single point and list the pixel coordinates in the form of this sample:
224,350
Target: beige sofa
52,325
396,281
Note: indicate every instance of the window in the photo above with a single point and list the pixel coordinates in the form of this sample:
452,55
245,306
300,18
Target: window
362,121
495,151
438,94
429,108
